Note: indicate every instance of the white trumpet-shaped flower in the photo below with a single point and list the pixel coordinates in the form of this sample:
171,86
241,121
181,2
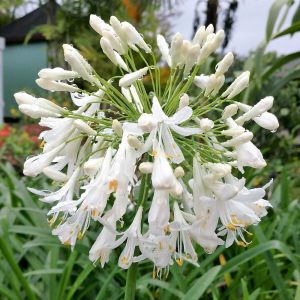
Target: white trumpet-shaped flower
131,78
165,152
159,122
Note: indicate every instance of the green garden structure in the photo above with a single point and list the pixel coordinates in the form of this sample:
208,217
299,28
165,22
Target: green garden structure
22,61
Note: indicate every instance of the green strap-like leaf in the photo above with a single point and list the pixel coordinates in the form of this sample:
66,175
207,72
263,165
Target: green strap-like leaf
279,63
290,30
273,15
8,254
82,276
202,284
242,258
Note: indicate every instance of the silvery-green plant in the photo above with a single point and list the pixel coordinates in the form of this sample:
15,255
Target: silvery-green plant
153,154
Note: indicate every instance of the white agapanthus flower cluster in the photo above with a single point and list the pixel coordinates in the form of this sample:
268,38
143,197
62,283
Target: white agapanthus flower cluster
152,168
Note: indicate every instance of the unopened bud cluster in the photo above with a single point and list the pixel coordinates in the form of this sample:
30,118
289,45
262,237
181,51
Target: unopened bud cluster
153,155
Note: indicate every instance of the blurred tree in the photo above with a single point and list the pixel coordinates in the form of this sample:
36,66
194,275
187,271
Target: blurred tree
8,10
212,12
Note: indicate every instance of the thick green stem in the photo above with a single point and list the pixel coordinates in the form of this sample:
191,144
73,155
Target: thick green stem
7,253
131,282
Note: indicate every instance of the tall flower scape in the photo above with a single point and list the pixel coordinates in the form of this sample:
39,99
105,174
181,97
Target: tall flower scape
149,167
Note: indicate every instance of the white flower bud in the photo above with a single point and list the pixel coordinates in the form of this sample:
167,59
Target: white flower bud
114,41
214,84
229,111
242,106
201,81
126,93
191,58
55,174
206,50
162,176
231,154
83,127
134,142
92,166
268,121
117,127
98,24
108,50
55,86
36,164
238,140
211,83
234,131
121,62
146,122
36,112
78,63
219,81
219,169
200,36
57,74
243,83
206,124
177,190
176,50
24,98
179,172
136,98
146,167
223,66
219,38
119,30
209,29
239,84
262,106
130,78
133,37
184,101
164,49
249,155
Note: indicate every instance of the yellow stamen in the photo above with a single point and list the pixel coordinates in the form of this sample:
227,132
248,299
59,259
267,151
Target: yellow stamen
113,185
42,144
124,260
171,249
154,153
167,229
79,235
179,262
51,221
169,156
231,227
154,274
95,212
67,243
241,243
161,246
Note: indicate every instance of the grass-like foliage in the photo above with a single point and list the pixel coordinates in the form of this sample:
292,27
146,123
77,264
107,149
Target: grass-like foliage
35,266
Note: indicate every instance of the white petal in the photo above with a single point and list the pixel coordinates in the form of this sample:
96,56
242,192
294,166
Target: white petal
173,152
164,49
185,131
180,116
157,111
130,78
